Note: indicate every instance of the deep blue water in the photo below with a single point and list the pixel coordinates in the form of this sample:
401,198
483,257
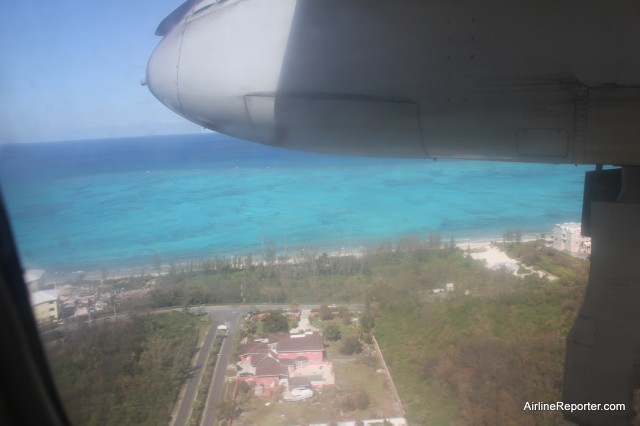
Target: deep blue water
125,202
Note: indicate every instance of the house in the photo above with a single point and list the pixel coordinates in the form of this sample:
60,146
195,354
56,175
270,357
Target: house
296,361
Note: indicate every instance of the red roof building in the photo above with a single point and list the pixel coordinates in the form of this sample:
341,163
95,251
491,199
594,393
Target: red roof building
282,357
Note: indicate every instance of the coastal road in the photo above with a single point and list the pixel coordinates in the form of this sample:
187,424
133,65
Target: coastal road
185,404
216,388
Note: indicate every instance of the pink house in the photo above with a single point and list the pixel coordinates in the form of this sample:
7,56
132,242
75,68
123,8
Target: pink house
298,360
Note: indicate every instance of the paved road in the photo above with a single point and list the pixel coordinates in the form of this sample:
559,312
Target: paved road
186,403
232,318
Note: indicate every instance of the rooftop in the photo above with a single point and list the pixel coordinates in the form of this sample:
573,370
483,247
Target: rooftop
44,296
310,341
269,366
254,348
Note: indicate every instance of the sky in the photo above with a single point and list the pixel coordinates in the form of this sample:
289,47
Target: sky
71,69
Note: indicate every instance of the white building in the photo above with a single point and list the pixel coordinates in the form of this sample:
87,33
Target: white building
568,237
46,306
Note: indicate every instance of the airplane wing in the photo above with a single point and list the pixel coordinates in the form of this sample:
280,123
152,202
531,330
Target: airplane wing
531,81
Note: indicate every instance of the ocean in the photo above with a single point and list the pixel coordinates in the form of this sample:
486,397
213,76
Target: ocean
129,202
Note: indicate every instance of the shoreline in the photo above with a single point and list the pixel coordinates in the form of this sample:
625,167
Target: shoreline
293,255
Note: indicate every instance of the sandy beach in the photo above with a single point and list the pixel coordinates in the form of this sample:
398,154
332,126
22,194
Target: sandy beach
495,258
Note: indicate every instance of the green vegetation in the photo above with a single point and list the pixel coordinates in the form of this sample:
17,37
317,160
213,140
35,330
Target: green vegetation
512,235
351,345
536,254
325,313
311,279
477,359
332,332
127,372
268,322
275,322
227,409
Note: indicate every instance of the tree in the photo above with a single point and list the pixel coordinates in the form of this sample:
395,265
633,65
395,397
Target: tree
351,345
332,331
323,264
345,314
270,252
434,241
367,321
517,235
227,409
452,243
275,322
248,262
248,328
325,313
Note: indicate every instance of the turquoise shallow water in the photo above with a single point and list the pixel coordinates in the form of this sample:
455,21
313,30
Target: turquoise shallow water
126,202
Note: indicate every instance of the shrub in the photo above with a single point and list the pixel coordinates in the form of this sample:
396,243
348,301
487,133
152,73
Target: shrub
351,345
332,331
